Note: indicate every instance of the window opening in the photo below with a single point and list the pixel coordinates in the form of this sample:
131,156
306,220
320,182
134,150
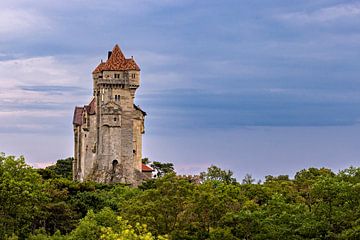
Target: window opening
114,164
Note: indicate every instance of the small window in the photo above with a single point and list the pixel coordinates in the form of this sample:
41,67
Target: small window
115,119
117,97
133,75
116,75
114,164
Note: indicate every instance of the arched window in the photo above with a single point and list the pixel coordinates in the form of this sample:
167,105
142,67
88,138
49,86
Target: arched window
117,97
114,164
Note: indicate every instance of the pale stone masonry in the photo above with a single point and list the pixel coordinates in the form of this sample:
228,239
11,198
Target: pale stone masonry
108,131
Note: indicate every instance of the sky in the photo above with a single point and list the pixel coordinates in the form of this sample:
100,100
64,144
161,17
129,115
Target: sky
264,87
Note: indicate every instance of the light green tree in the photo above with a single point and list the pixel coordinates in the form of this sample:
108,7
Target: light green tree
20,196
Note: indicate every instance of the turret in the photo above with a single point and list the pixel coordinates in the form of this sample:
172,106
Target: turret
108,139
117,70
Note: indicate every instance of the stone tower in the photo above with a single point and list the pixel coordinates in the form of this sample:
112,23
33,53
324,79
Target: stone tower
108,131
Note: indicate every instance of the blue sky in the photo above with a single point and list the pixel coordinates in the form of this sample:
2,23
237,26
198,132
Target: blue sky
260,87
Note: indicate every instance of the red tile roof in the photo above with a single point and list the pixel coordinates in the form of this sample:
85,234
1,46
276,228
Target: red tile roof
117,62
145,168
79,111
78,119
99,68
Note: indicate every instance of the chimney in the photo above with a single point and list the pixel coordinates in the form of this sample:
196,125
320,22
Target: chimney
109,54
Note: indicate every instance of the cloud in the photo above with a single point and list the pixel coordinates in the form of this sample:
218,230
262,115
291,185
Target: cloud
192,109
156,59
340,11
18,23
39,93
259,151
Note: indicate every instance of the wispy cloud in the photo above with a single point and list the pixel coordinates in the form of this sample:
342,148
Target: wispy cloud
38,89
20,23
327,14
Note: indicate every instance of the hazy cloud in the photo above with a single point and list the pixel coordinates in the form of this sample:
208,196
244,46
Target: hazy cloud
326,14
16,23
38,93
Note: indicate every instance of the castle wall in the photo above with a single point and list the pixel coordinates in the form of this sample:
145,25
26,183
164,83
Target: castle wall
89,142
137,142
76,165
108,141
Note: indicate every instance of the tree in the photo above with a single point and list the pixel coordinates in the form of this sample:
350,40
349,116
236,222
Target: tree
61,169
160,207
248,179
145,161
90,226
123,230
162,168
215,173
20,196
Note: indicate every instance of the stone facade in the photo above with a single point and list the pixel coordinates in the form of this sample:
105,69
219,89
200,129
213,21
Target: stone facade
108,131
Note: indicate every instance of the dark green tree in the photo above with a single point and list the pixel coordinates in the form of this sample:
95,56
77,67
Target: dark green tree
215,173
61,169
162,169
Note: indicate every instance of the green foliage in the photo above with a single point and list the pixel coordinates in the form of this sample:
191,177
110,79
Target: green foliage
162,168
20,196
215,173
316,204
248,179
123,230
145,161
61,169
90,226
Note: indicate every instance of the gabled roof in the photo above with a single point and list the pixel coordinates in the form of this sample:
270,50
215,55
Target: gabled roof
117,62
99,68
90,109
79,111
78,116
145,168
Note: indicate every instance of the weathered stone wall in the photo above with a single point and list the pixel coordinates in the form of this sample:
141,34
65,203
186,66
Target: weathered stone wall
76,166
89,145
108,144
137,140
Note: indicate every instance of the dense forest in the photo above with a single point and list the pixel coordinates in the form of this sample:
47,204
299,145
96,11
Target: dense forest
45,204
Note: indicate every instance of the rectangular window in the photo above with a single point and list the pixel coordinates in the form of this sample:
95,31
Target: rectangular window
116,75
133,75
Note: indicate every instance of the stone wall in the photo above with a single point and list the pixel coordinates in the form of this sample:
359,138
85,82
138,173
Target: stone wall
108,143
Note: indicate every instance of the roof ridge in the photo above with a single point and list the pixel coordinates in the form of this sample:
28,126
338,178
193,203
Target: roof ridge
117,62
116,54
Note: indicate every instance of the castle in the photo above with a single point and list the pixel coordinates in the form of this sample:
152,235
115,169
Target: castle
108,131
